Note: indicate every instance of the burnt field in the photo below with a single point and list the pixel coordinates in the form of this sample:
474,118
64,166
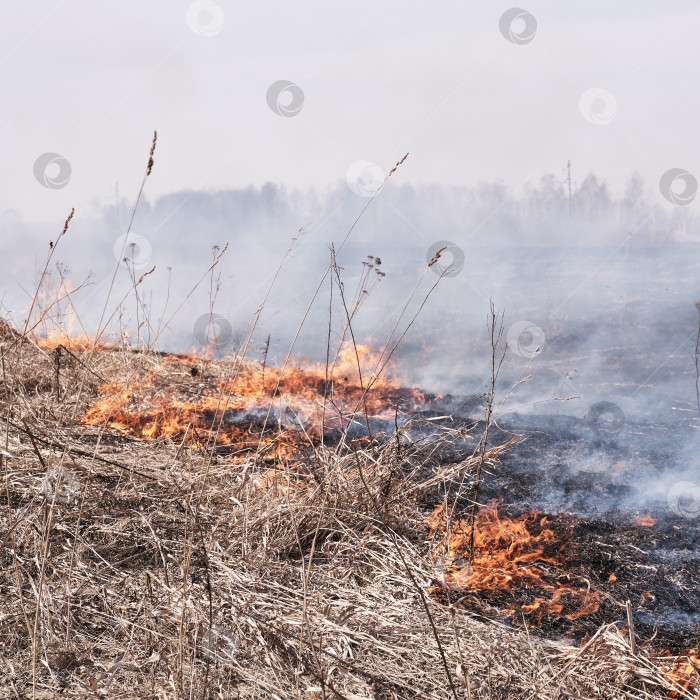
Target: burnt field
611,533
378,378
603,413
169,524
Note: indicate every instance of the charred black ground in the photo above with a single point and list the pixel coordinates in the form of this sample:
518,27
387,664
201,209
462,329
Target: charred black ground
587,484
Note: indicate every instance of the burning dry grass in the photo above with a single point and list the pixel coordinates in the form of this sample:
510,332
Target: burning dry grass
168,568
509,554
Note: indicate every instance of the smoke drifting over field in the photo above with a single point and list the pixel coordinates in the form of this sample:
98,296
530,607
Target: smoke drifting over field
604,286
581,267
284,406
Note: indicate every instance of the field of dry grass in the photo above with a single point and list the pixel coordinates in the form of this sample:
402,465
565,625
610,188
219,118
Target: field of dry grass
173,527
175,567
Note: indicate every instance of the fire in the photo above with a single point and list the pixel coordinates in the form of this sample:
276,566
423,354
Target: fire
684,672
512,556
509,555
52,319
74,343
309,403
65,335
644,520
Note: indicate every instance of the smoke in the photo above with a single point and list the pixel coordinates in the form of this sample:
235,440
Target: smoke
597,294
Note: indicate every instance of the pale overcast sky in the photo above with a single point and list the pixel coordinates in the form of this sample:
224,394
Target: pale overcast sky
471,96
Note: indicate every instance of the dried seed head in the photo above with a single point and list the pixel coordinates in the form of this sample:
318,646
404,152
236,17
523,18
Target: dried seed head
149,167
393,170
436,257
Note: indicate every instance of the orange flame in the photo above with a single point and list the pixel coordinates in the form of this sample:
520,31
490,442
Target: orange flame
308,403
643,520
508,555
54,339
684,673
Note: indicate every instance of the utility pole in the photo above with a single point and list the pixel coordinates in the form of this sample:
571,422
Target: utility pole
568,182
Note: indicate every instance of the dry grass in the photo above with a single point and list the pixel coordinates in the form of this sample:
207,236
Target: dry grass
137,568
160,568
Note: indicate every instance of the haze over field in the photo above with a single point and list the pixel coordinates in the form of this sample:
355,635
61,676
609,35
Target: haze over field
91,82
350,350
276,122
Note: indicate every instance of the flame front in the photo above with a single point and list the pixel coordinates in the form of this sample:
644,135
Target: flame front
231,411
509,555
74,343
